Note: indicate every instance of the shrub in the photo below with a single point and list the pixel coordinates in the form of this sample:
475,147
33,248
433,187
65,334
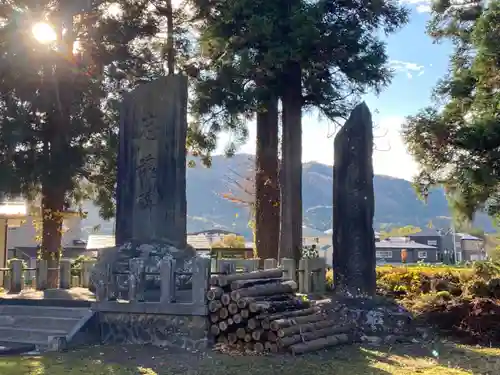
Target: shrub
329,279
76,265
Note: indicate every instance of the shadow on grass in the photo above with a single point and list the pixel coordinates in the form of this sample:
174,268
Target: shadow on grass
440,359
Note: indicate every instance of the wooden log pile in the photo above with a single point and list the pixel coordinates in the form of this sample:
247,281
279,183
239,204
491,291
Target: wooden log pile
259,311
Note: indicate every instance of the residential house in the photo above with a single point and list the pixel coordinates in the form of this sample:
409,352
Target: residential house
468,248
390,251
472,248
429,237
322,241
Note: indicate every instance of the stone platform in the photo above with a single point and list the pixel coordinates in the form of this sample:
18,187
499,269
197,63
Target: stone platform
185,332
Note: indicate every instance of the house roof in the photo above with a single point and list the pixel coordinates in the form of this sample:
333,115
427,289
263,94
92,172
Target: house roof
398,244
465,236
214,231
101,241
68,252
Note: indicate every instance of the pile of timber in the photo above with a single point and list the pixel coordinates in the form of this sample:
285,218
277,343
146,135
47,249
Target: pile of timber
259,311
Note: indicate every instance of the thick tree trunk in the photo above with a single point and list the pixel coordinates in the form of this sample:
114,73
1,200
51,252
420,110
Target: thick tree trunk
291,167
267,196
52,219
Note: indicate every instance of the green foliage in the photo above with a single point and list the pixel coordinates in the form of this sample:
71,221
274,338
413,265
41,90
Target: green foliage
76,265
400,231
230,241
456,144
250,42
309,252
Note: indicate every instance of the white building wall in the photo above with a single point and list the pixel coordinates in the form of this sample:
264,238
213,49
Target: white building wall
25,234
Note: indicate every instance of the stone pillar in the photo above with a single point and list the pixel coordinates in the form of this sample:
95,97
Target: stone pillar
136,280
42,270
354,206
87,266
16,276
201,273
167,277
151,181
270,263
65,274
289,269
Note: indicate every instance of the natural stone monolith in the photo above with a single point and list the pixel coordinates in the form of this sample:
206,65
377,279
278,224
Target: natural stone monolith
353,206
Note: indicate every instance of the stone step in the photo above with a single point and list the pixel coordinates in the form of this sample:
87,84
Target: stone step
43,311
12,348
38,322
28,335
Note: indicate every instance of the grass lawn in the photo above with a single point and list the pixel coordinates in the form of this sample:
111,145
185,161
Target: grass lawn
445,359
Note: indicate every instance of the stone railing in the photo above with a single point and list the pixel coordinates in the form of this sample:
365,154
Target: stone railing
310,275
15,279
171,300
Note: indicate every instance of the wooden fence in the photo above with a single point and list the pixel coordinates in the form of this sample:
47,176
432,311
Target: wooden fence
15,279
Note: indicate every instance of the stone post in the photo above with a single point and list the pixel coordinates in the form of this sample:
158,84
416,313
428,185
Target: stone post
151,181
249,265
167,277
319,275
136,280
226,266
87,266
42,270
354,206
65,274
305,275
289,268
16,276
270,263
201,272
75,281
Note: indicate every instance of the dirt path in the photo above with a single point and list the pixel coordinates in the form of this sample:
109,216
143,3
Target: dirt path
80,294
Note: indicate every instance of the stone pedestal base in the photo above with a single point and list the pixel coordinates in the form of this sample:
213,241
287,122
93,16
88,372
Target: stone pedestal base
186,332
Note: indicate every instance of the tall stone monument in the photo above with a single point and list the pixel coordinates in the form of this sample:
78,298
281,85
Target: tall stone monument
354,206
151,191
151,183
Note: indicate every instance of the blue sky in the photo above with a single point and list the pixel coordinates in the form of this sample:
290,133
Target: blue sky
418,65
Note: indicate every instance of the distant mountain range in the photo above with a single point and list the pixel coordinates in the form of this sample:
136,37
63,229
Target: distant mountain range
396,203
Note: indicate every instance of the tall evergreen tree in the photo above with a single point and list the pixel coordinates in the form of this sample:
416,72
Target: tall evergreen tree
55,95
456,142
322,54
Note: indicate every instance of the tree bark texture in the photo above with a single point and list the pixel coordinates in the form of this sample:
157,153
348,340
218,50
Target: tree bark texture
267,196
291,167
151,182
52,220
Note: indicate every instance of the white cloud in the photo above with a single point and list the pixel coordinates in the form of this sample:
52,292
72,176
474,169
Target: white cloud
423,8
406,67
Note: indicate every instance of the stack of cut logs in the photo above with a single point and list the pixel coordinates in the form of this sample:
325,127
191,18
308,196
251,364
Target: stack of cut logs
259,311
